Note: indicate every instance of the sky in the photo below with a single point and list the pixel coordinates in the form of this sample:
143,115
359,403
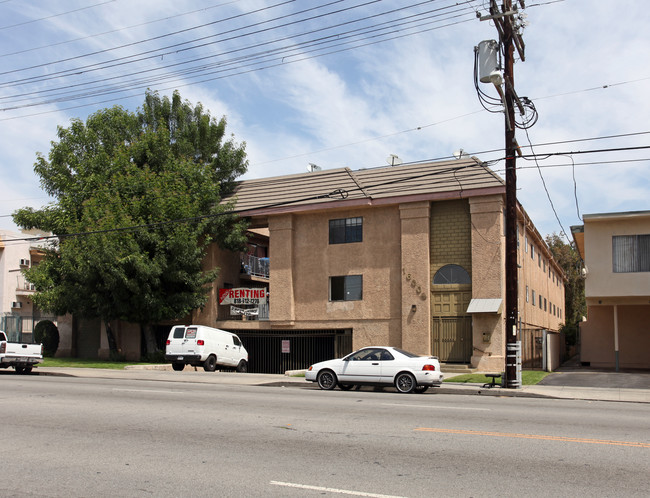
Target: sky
344,83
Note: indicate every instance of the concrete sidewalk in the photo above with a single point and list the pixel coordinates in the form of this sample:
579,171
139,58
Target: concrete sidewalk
190,375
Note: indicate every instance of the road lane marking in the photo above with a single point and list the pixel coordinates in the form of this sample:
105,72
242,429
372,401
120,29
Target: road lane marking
438,407
331,490
633,444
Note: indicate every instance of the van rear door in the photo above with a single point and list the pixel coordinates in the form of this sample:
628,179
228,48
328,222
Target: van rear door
177,341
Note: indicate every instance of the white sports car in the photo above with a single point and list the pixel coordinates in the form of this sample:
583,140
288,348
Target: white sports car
379,366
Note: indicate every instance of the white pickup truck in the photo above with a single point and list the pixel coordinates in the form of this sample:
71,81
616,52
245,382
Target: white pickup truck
18,355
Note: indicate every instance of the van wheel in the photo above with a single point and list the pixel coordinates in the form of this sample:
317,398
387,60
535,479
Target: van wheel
19,369
243,366
178,366
210,365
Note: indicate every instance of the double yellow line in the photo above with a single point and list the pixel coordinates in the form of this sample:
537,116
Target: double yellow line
535,436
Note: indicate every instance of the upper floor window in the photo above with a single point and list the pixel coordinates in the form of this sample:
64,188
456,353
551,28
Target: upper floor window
346,288
346,230
630,253
451,274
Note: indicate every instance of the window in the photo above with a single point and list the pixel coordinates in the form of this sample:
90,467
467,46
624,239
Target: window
540,301
346,230
526,293
347,288
371,354
532,252
544,304
630,253
451,274
526,243
533,298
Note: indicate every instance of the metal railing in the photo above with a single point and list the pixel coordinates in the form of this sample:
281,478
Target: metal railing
23,285
254,266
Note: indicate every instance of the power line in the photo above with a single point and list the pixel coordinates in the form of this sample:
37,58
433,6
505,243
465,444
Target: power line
55,15
175,16
337,39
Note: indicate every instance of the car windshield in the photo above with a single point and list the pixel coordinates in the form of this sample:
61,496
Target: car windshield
406,353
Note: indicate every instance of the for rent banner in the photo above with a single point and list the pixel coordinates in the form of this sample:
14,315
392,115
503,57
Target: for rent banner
242,296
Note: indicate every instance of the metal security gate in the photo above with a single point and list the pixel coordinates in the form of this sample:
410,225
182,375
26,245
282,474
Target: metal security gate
532,349
277,351
12,326
452,338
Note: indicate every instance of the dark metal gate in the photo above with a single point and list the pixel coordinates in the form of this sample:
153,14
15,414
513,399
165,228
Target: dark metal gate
532,349
276,351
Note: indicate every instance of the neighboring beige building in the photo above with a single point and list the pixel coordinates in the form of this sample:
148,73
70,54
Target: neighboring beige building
409,256
615,248
17,312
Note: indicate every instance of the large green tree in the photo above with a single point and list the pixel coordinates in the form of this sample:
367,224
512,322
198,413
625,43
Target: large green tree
137,201
569,260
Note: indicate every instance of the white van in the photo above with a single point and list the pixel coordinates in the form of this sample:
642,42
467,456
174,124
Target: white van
198,345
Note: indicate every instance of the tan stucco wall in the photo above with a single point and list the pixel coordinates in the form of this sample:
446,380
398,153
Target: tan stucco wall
488,280
302,262
228,263
415,278
597,336
543,277
601,281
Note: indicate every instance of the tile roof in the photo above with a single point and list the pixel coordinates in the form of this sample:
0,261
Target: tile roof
385,185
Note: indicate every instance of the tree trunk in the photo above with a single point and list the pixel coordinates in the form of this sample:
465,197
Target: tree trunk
112,343
149,339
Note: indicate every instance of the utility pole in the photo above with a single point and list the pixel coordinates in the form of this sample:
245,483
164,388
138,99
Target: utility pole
512,284
509,39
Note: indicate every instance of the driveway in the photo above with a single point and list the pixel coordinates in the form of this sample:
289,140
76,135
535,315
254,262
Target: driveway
587,377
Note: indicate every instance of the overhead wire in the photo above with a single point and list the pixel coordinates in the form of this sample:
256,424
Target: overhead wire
337,39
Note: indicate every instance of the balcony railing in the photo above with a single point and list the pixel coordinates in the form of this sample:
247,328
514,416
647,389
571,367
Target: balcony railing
23,285
255,267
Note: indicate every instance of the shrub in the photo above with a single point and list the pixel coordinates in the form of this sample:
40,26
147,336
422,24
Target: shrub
47,333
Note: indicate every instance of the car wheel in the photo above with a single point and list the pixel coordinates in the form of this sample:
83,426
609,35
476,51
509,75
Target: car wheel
345,387
20,369
421,389
178,366
210,364
243,366
326,380
405,382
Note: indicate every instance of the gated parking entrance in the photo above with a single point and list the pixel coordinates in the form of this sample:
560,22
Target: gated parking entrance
276,351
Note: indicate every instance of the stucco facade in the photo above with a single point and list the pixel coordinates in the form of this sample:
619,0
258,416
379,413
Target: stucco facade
406,241
16,306
617,331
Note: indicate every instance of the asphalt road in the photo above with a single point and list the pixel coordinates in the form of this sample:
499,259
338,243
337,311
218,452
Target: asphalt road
66,436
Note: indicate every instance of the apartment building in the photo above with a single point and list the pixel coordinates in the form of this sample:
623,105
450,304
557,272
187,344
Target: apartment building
615,248
17,312
410,256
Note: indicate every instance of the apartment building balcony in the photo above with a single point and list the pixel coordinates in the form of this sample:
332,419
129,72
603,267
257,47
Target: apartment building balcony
23,287
254,268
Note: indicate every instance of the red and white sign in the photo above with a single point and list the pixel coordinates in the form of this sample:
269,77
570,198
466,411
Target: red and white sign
242,296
